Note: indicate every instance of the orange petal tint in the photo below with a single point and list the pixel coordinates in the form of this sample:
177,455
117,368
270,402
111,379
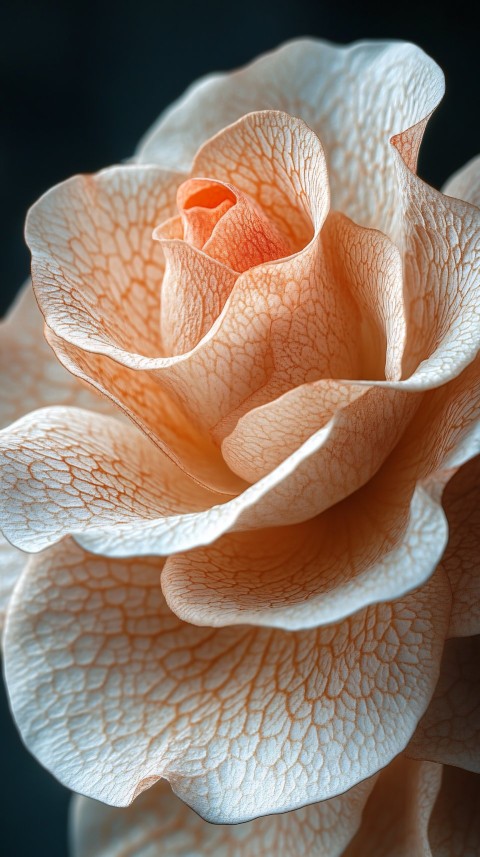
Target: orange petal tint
228,225
201,205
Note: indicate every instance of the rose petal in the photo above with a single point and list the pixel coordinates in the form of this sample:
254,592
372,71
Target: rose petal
369,423
194,291
461,559
242,237
12,563
65,470
455,824
355,98
158,822
242,721
397,814
317,573
96,269
441,240
465,183
379,543
137,394
284,308
444,435
30,375
449,732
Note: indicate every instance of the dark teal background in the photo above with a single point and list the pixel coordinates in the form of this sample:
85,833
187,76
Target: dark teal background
80,82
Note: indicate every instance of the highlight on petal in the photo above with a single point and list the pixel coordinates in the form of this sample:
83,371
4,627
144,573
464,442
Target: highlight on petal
449,731
396,818
354,98
12,563
241,721
441,241
455,824
157,822
30,375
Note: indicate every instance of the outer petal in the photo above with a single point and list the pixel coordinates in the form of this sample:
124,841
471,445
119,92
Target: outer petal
314,574
354,98
465,184
376,545
444,435
369,423
455,824
242,721
461,558
159,823
441,241
449,732
30,375
396,818
65,470
12,562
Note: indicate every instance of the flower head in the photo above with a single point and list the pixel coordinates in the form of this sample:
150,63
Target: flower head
244,573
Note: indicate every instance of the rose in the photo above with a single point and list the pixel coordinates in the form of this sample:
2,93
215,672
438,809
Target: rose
299,398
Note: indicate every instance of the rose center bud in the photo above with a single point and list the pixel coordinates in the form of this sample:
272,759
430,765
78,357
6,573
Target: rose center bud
228,225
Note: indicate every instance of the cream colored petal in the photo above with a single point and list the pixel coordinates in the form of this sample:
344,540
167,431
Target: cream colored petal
465,184
65,470
30,375
138,395
368,423
455,824
382,541
396,818
356,554
449,732
355,98
241,721
443,436
461,559
366,268
96,269
12,563
441,240
159,823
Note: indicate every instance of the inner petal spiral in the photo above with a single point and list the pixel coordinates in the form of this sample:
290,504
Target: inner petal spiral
228,225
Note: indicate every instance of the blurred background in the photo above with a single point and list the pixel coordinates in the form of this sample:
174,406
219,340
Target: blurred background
80,82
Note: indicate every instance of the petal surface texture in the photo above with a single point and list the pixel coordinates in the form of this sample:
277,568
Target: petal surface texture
159,823
449,732
241,721
30,375
354,98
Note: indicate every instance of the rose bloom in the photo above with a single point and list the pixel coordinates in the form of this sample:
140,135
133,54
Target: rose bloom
244,465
